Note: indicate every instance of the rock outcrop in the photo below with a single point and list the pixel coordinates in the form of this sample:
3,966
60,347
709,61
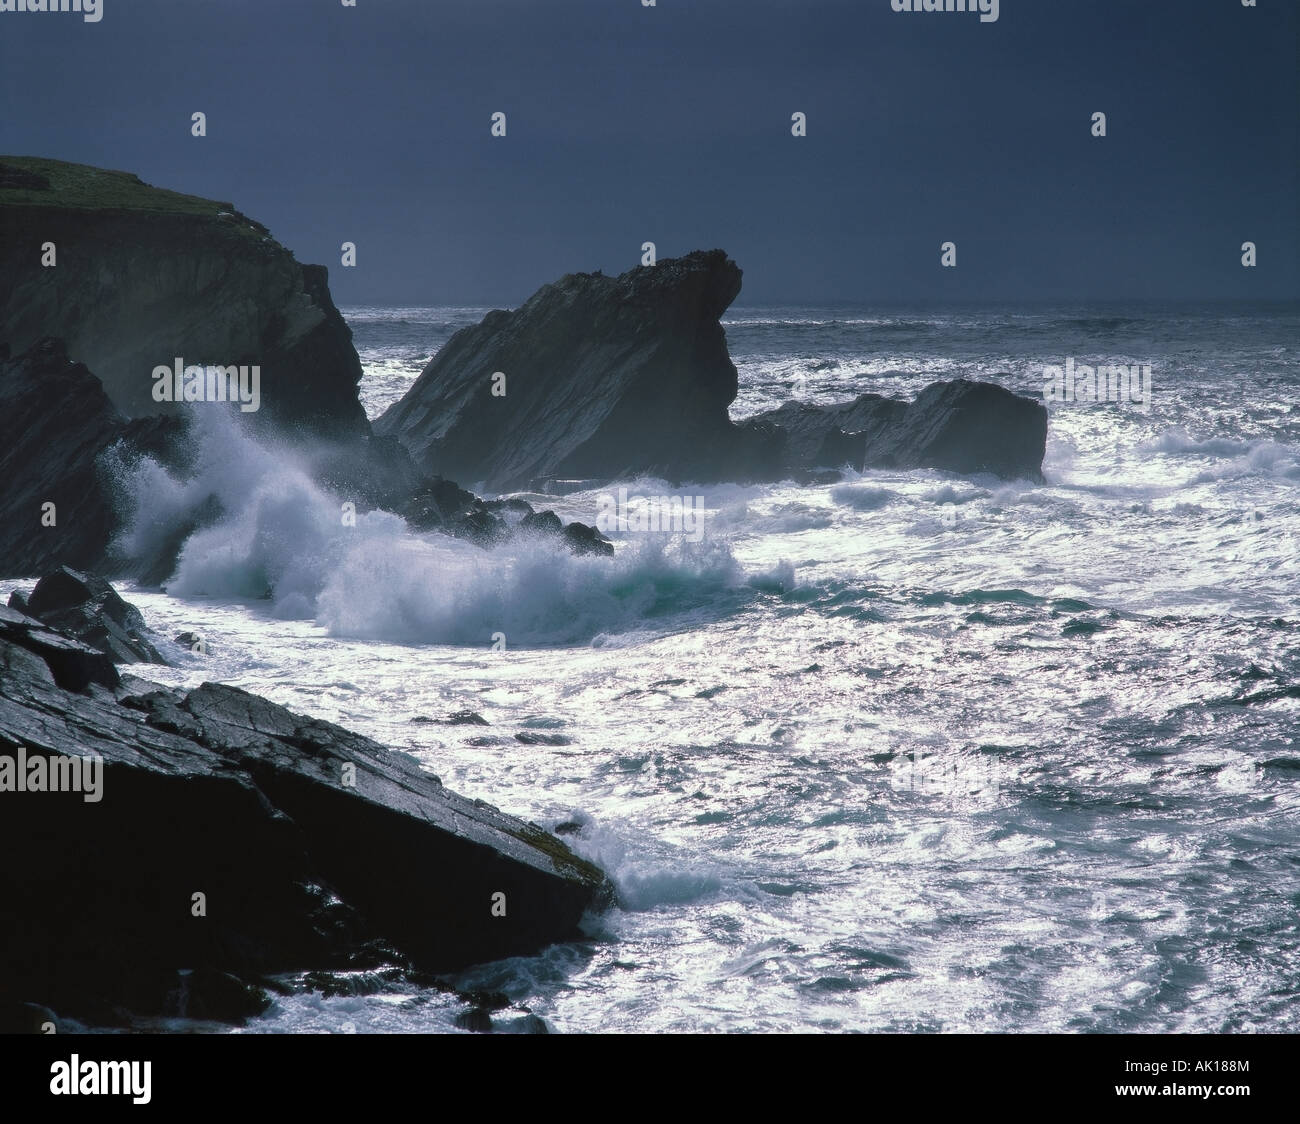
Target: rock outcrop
89,609
225,838
958,426
58,424
613,377
58,505
142,276
604,376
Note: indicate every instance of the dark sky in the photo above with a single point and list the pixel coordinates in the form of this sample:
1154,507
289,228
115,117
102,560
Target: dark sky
672,124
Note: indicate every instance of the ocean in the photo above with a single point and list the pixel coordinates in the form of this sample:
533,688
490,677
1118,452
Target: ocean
904,752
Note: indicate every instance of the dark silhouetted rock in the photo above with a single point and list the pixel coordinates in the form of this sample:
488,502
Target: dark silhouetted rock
542,522
476,1019
56,422
964,426
146,275
88,608
219,996
583,539
613,377
578,537
958,426
604,377
55,429
443,505
35,650
315,849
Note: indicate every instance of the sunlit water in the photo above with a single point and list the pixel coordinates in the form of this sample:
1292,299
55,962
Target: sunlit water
907,752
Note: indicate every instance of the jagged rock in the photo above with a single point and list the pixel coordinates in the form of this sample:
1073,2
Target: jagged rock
56,426
146,275
55,423
959,426
314,848
830,436
31,649
583,539
604,376
87,607
511,508
443,505
578,537
543,523
968,427
611,377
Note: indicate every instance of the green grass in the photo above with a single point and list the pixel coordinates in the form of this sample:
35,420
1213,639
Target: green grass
81,187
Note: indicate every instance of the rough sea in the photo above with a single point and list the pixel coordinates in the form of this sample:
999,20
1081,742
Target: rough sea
906,752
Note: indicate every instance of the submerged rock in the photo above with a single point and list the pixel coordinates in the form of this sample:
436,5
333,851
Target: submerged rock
229,838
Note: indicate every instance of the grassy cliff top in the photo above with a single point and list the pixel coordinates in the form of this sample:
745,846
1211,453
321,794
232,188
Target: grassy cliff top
32,181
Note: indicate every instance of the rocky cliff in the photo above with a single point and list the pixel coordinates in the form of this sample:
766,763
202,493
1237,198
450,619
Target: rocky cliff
142,276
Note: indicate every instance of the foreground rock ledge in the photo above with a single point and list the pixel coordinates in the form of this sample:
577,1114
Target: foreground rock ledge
220,792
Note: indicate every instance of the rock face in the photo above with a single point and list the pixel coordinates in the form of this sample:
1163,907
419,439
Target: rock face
143,276
612,377
58,423
88,608
312,847
55,424
604,376
958,426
